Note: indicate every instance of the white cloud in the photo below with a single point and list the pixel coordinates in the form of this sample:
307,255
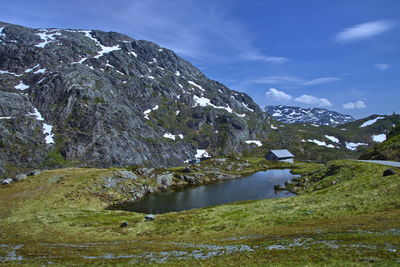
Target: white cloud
353,105
312,100
364,31
382,66
292,80
277,95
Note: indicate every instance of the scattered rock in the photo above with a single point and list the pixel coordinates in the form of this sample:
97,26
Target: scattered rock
389,172
127,175
150,217
165,179
7,181
124,224
229,168
219,159
20,177
34,173
278,187
145,171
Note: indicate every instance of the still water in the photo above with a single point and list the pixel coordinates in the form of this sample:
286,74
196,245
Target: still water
259,185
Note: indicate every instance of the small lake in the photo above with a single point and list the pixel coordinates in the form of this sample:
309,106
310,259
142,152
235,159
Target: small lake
259,185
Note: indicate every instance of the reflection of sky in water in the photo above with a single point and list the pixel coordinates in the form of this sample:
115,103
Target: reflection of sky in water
256,186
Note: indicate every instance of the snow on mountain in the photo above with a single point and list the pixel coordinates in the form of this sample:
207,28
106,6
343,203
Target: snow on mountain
316,116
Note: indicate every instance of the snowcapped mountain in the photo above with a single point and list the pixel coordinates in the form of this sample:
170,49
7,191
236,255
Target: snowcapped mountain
317,116
104,99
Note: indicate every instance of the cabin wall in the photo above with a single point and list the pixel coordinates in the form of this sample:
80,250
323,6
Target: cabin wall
287,160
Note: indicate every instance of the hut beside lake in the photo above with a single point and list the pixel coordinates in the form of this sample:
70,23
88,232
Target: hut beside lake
280,155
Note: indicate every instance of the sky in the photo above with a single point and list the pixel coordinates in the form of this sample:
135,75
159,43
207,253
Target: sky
340,55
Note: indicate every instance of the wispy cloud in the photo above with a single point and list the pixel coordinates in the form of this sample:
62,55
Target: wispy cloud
292,80
355,105
202,30
277,95
364,31
255,56
382,66
321,80
312,100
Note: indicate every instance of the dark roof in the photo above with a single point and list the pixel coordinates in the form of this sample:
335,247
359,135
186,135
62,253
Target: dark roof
282,153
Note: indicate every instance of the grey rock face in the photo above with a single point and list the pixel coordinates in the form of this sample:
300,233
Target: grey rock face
127,175
7,181
165,179
113,101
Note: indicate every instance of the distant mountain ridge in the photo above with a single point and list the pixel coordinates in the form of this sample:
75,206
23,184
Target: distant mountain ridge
317,116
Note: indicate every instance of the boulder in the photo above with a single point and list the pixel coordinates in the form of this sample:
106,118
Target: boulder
145,171
124,224
278,187
165,179
34,173
127,175
20,177
389,172
7,181
150,217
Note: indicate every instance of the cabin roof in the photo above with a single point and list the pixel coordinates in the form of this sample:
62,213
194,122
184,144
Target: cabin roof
282,153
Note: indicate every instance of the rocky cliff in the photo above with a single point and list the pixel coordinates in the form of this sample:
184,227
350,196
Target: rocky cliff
104,99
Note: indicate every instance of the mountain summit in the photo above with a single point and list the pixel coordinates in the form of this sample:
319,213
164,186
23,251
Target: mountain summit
104,99
317,116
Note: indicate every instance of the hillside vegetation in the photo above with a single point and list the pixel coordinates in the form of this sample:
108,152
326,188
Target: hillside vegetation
350,215
388,150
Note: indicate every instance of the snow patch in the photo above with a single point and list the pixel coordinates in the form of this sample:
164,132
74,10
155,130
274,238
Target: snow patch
29,70
180,136
258,143
46,37
196,85
11,73
332,138
21,86
370,122
151,77
132,53
246,106
2,34
5,118
319,143
274,127
201,153
379,138
353,146
39,71
153,61
177,73
146,112
47,131
169,135
204,102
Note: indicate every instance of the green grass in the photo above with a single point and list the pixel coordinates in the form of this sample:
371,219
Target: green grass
354,214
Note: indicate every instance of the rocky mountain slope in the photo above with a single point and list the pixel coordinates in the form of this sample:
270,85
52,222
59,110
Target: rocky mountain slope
317,116
323,143
104,99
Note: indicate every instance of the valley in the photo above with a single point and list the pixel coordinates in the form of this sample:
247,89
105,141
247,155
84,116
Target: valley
92,122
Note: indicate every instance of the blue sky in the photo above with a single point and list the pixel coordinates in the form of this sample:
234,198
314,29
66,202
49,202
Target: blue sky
342,55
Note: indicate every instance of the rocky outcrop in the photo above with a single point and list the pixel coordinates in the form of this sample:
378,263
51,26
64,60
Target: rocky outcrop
110,100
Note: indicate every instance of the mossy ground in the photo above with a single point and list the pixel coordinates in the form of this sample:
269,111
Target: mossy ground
58,217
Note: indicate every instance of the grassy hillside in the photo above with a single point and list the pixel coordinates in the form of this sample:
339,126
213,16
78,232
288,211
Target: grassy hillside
349,216
303,139
388,150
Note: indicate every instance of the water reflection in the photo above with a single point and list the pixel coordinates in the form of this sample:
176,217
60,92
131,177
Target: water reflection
259,185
